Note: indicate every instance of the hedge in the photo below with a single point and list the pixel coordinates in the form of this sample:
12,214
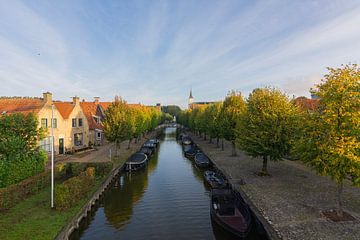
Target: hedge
74,189
15,193
18,167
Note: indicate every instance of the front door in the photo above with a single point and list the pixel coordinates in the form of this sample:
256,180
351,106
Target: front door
61,146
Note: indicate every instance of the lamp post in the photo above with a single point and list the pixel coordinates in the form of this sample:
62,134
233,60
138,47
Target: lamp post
52,156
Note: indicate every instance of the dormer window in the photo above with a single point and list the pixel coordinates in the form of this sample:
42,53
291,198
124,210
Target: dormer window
97,119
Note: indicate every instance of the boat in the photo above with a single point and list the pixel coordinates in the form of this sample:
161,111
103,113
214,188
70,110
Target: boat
214,179
229,212
149,144
136,161
201,160
146,150
190,150
186,140
153,141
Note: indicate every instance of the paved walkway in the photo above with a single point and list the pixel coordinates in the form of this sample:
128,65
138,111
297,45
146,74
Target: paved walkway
102,153
291,200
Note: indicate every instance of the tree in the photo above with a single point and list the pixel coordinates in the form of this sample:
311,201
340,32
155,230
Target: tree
329,141
173,110
214,124
20,156
267,126
117,126
233,106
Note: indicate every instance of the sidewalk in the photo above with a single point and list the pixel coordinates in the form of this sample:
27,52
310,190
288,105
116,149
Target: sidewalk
292,198
100,153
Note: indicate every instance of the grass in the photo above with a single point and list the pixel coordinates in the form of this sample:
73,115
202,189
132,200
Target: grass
34,219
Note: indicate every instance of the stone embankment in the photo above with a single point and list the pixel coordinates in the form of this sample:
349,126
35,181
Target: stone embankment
101,155
292,199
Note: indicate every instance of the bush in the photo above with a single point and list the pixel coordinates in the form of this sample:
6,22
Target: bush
15,193
21,166
74,189
75,169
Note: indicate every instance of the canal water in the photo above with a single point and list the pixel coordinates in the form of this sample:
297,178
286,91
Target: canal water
166,200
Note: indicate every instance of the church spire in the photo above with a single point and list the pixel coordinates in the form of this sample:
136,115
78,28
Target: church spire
191,96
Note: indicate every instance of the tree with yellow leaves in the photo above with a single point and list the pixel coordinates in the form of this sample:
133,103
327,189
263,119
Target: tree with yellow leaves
330,138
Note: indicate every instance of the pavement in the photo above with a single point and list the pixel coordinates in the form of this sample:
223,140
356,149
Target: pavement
293,198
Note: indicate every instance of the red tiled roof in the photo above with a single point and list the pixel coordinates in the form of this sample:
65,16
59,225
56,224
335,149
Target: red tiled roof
21,105
90,110
105,105
306,103
65,108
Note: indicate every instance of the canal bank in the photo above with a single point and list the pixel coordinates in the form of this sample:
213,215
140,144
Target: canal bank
168,199
83,215
291,200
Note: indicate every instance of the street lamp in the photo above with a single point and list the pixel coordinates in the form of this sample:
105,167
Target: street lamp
52,156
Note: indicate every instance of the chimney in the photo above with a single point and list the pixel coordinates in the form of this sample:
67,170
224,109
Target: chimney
96,101
76,100
47,97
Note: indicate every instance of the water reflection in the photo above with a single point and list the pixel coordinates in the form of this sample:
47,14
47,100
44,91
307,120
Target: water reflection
167,200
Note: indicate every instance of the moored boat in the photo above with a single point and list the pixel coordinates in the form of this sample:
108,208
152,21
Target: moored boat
186,140
229,212
136,161
190,150
214,179
201,160
147,151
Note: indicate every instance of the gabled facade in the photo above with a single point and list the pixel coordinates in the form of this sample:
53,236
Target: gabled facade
95,115
66,137
74,125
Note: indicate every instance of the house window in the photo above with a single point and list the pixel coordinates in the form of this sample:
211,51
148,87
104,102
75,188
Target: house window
54,123
45,144
98,136
44,123
80,122
74,122
78,139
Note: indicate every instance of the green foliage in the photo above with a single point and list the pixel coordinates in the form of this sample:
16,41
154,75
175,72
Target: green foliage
213,111
16,193
171,109
74,189
233,106
267,127
19,155
117,124
329,141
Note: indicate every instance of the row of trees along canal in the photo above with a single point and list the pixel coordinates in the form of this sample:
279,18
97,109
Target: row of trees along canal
269,125
127,122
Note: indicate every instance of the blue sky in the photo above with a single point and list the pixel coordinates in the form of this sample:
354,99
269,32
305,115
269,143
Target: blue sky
155,51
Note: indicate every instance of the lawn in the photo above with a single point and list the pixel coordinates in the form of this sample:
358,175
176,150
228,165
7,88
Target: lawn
34,219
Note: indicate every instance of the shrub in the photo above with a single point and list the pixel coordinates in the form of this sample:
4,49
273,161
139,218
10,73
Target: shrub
15,193
74,189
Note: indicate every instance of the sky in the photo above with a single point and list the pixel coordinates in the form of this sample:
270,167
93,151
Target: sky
156,51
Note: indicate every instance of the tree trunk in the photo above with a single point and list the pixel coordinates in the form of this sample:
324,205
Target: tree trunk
233,151
129,144
222,144
117,147
210,140
204,136
340,211
217,142
136,140
264,167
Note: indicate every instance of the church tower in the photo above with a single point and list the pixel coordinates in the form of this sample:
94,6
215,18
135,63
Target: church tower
191,99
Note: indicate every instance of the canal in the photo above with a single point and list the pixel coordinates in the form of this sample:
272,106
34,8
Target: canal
166,200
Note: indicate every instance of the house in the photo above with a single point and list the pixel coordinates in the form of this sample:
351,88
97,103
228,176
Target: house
74,126
69,122
94,113
306,104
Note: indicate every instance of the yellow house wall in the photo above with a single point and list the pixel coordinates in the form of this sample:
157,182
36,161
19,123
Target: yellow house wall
64,127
